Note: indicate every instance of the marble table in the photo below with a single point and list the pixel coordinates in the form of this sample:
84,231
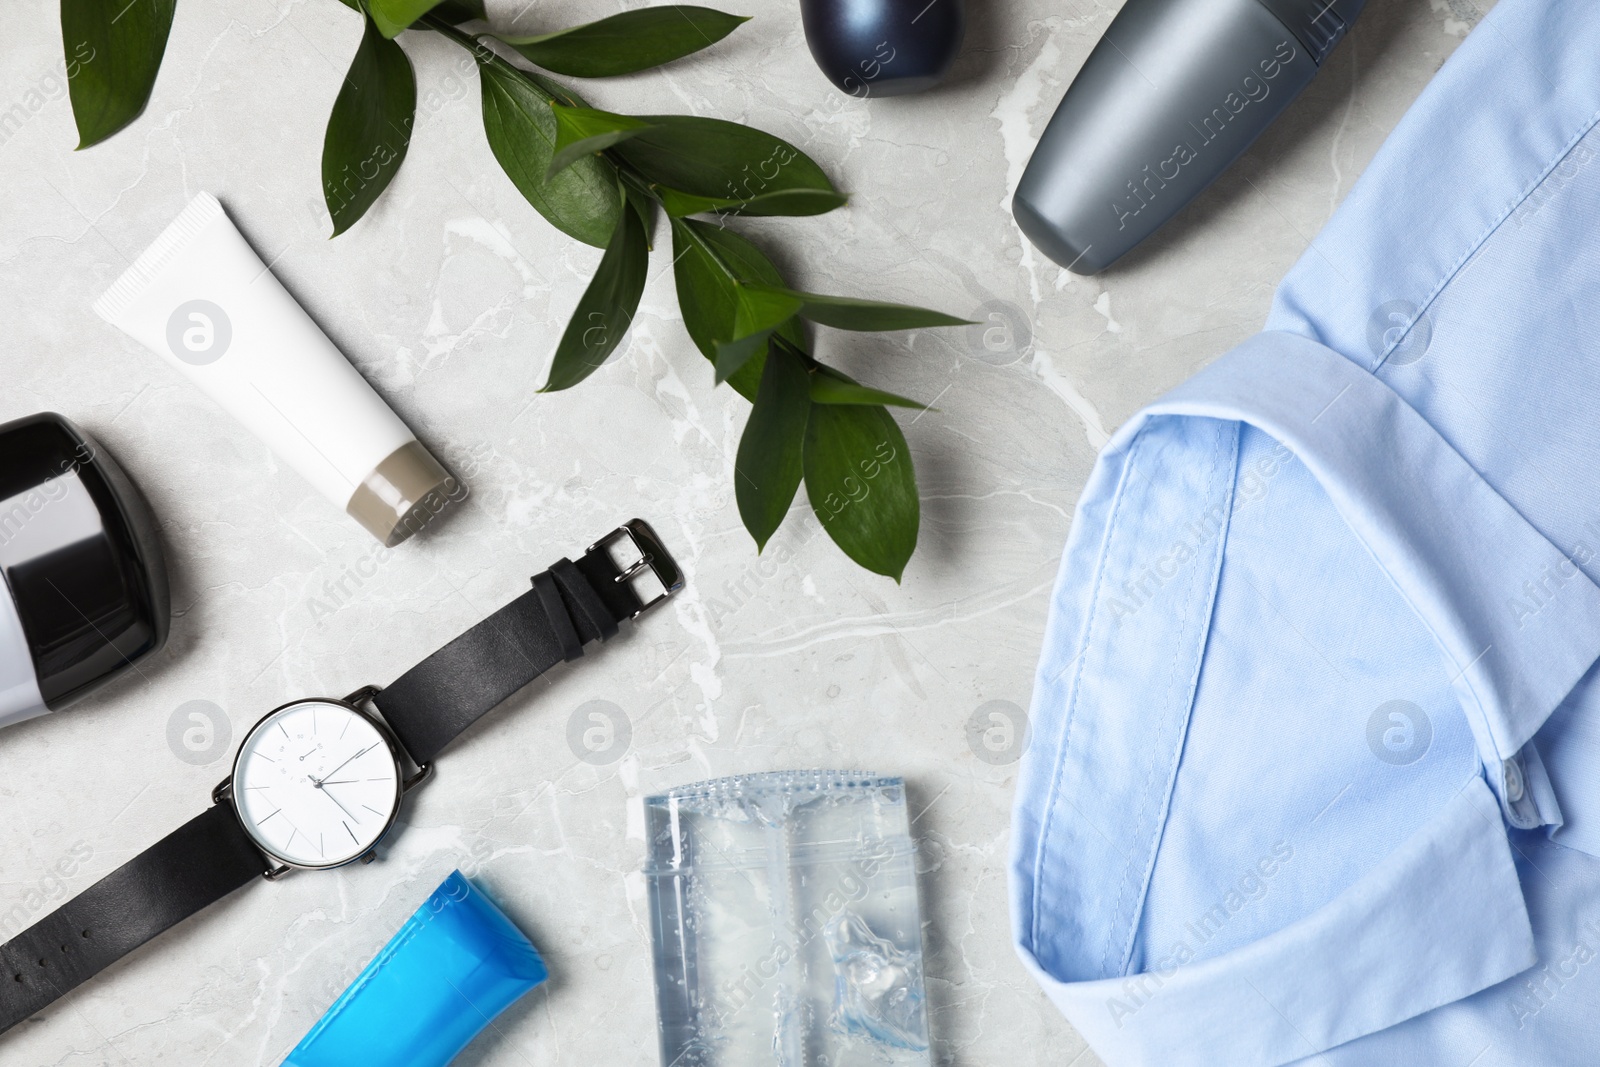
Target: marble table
449,297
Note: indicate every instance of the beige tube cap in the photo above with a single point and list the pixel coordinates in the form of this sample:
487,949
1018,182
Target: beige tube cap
403,494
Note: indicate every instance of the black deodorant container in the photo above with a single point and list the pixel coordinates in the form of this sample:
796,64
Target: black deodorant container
1174,92
83,583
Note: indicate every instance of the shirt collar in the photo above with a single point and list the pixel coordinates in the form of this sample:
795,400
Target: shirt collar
1391,476
1082,856
1396,936
1442,916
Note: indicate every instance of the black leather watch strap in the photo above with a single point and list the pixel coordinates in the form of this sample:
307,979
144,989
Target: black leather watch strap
198,864
570,605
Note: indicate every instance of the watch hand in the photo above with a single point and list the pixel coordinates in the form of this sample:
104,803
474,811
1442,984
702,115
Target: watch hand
313,779
335,799
339,768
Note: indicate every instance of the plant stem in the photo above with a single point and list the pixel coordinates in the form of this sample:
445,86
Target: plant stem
805,357
632,177
465,40
484,54
711,253
628,174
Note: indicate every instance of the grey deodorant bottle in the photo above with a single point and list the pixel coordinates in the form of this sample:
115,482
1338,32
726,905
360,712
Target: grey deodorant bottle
1174,92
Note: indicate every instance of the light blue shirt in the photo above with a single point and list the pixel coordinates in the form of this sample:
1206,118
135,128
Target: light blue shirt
1315,764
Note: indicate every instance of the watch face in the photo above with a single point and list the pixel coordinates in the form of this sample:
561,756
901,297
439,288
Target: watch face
316,784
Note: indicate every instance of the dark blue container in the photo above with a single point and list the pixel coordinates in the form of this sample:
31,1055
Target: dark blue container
884,47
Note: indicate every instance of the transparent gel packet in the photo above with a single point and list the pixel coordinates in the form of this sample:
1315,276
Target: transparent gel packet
785,922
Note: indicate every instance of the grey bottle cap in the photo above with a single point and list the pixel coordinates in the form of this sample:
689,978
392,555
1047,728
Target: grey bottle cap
403,494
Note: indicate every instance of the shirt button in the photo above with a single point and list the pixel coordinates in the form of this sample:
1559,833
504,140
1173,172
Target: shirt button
1513,781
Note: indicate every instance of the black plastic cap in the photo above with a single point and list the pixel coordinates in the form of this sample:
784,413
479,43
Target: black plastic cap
81,557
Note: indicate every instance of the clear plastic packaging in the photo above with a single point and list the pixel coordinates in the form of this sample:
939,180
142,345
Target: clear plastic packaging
785,921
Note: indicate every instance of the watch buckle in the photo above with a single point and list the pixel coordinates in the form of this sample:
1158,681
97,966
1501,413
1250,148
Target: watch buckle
653,556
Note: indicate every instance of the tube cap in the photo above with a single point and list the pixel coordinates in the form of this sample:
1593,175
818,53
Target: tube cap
403,494
456,964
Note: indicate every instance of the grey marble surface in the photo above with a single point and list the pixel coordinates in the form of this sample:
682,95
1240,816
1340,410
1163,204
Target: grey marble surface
449,297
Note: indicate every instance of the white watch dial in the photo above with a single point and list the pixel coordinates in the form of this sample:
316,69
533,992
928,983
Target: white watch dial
316,784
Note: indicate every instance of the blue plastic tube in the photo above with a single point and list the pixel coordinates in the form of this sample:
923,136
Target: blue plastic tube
456,964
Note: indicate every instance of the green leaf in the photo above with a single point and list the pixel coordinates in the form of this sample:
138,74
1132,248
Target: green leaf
733,356
392,16
453,12
781,202
862,486
582,200
646,210
629,42
458,11
583,131
113,52
558,93
706,299
828,386
720,160
369,129
768,468
846,313
703,256
756,313
607,307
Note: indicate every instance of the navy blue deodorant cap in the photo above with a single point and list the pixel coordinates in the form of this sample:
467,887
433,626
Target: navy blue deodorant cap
884,47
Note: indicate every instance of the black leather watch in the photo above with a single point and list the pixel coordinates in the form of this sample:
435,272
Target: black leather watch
318,783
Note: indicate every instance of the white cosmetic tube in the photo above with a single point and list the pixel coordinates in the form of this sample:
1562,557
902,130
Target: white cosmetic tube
201,299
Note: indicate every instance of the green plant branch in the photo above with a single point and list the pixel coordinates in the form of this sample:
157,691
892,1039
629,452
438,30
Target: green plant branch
808,424
461,37
633,178
788,346
833,431
628,173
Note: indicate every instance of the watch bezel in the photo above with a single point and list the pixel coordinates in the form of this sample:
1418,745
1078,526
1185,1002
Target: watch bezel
400,783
